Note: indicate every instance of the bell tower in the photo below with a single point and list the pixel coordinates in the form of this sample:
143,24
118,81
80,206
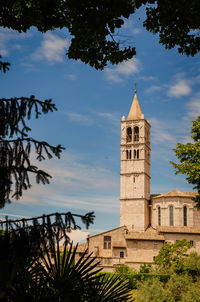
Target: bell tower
135,169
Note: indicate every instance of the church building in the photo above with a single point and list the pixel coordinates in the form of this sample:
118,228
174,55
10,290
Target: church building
147,221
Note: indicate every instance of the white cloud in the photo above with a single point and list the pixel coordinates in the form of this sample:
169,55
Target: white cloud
147,78
70,76
77,236
75,186
194,107
109,116
154,88
8,35
92,117
123,70
180,88
80,118
128,23
161,133
131,27
13,215
52,49
136,31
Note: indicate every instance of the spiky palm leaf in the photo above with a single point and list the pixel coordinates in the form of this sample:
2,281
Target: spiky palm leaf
69,279
55,277
110,289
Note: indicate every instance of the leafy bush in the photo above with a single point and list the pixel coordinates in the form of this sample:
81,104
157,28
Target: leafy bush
145,268
179,288
134,278
123,269
152,290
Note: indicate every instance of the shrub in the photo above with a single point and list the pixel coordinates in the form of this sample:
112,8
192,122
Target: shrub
134,278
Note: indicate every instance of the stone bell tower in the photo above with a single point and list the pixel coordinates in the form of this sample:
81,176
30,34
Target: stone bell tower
135,169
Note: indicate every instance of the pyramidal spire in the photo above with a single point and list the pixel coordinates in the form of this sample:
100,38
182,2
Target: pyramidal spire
135,112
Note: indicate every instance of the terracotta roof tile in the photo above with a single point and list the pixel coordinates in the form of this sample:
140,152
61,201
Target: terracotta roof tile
183,230
176,193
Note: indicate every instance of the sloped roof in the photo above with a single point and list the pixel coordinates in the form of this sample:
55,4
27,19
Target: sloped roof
120,227
135,112
175,193
144,236
183,230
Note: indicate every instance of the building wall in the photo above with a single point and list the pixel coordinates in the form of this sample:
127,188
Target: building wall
172,238
196,217
136,252
96,243
135,176
134,214
142,250
178,203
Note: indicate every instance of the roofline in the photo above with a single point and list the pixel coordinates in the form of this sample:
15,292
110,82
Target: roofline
170,196
137,120
107,231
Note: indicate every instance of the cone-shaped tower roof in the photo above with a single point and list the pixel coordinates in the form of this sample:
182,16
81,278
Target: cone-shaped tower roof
135,112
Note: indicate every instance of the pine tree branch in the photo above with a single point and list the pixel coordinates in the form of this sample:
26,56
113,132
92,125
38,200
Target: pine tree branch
13,112
4,65
24,238
40,146
16,166
88,219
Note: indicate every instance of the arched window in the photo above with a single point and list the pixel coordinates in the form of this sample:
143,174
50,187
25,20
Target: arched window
128,154
185,216
136,133
159,216
136,154
128,135
171,216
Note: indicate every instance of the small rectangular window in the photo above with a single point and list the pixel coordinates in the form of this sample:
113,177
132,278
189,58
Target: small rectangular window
121,255
192,242
107,242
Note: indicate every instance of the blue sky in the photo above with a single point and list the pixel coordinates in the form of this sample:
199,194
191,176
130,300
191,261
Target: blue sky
90,106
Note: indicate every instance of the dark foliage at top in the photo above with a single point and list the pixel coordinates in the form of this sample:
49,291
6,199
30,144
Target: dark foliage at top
176,22
93,24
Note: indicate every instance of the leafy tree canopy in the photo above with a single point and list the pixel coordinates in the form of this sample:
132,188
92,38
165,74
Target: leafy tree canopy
189,158
170,257
179,288
93,24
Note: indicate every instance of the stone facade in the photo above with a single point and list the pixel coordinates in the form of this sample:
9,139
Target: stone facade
146,221
135,169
